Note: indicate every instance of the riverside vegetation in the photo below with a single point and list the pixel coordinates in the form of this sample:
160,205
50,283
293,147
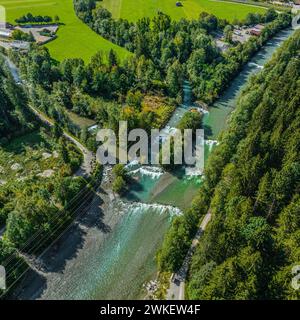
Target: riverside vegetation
251,187
143,89
30,202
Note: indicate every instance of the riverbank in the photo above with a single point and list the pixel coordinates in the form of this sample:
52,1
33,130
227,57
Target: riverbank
59,261
216,120
105,255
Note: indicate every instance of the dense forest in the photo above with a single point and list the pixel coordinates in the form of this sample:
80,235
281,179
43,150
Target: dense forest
14,116
252,190
184,48
103,90
145,88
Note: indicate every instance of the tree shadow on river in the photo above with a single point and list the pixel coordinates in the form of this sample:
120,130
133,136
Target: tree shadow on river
67,247
31,287
134,187
53,262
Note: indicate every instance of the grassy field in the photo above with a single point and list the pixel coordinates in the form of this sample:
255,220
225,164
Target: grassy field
75,39
135,9
81,122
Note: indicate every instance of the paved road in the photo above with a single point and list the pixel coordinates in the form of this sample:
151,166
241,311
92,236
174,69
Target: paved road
86,167
177,283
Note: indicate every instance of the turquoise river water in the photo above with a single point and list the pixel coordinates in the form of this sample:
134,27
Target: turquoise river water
118,267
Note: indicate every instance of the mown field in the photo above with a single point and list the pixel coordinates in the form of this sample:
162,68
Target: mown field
75,39
135,9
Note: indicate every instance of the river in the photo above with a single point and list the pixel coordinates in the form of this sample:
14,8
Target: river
217,118
116,266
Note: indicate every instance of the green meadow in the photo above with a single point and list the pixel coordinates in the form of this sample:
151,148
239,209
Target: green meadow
75,39
135,9
81,122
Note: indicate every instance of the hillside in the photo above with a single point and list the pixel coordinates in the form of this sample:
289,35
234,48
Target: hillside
252,189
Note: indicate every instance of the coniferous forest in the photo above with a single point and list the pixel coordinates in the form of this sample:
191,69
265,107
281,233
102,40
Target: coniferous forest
252,190
14,116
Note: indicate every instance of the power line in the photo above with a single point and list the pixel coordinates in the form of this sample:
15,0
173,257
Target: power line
19,263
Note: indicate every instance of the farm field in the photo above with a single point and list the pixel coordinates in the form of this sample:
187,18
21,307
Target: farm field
75,39
135,9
